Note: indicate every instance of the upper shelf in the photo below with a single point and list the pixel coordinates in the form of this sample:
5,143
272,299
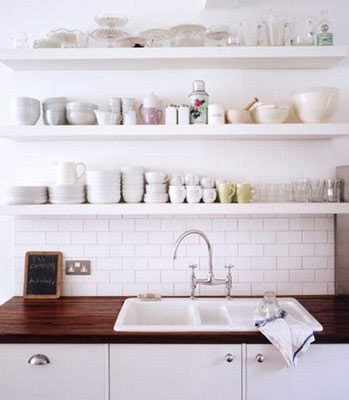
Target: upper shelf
175,132
179,209
90,59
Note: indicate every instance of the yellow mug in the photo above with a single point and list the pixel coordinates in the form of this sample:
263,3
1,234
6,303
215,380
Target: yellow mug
245,192
226,192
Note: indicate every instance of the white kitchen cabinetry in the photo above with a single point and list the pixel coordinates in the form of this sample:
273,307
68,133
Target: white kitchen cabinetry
74,372
322,374
175,372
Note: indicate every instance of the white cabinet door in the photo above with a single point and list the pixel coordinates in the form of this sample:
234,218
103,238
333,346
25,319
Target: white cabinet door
175,372
322,374
75,372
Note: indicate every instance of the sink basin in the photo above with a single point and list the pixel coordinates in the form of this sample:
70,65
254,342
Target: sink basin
204,314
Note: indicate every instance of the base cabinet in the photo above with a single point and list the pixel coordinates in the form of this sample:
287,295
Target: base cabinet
56,372
175,372
321,374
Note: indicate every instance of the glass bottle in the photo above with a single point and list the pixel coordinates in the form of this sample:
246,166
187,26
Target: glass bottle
198,103
324,36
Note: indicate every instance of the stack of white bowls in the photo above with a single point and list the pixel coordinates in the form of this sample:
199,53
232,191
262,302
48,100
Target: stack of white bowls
53,111
67,194
156,188
103,187
79,113
25,110
26,195
132,184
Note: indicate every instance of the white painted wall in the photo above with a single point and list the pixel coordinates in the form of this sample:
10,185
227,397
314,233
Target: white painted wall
254,161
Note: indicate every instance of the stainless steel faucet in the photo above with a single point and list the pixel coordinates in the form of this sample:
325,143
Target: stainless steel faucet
211,280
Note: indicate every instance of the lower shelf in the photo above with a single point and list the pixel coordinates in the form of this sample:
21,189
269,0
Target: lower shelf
182,209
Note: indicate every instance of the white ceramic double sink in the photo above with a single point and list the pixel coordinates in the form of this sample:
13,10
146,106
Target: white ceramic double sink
204,314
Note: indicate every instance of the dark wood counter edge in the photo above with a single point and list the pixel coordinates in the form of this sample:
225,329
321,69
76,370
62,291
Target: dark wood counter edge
83,320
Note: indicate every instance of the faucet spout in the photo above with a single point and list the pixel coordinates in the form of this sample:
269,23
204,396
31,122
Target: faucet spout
208,244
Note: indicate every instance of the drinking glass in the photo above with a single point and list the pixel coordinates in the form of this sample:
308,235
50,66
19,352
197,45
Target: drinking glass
333,190
317,190
262,34
276,30
249,33
285,193
301,190
218,36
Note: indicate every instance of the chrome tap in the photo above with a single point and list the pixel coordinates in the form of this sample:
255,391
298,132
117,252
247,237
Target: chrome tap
211,279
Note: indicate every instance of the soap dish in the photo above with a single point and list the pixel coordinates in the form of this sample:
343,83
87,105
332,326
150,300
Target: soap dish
149,296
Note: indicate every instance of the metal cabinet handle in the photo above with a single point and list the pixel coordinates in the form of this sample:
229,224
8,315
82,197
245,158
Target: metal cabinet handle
38,359
260,358
229,358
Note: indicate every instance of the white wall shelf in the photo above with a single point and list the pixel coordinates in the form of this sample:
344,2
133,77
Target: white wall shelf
176,132
90,59
181,209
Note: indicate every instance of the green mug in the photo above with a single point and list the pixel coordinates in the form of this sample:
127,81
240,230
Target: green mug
226,192
245,192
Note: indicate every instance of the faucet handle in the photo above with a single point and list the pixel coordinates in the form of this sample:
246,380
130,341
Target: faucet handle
193,267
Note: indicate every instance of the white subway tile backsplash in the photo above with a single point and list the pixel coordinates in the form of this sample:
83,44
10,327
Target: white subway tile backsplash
147,225
314,237
302,250
109,238
133,254
96,225
135,237
59,238
250,224
84,237
70,225
148,276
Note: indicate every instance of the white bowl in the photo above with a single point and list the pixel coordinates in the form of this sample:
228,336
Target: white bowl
238,117
132,198
76,117
107,117
81,106
156,198
270,115
316,105
158,188
25,110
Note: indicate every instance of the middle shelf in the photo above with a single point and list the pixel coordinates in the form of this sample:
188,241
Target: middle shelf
175,132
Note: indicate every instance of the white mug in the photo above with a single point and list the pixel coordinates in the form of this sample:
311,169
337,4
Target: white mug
207,183
216,114
130,118
155,177
177,180
177,194
192,179
209,195
66,173
194,194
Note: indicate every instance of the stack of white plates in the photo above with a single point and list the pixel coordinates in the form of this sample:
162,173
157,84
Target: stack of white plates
132,184
67,194
26,195
103,187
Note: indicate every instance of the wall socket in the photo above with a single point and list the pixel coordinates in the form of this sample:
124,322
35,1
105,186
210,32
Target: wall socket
78,267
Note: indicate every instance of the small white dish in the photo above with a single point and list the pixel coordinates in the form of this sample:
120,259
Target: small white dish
156,188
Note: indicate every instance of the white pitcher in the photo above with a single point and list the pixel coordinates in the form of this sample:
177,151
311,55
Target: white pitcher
66,173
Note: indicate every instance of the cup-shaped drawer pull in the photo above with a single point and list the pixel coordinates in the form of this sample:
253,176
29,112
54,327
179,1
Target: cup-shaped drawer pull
38,359
229,358
260,358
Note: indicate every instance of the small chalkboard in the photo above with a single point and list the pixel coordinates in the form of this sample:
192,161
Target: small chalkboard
43,275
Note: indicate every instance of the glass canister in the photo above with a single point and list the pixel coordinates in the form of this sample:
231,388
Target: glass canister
198,103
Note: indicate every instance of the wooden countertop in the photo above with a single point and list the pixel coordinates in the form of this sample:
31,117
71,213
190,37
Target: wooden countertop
91,320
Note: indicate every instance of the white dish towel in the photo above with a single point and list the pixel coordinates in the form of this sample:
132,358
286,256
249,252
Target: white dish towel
290,336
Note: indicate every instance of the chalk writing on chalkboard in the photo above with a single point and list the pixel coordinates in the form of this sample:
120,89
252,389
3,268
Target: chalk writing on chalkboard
43,274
